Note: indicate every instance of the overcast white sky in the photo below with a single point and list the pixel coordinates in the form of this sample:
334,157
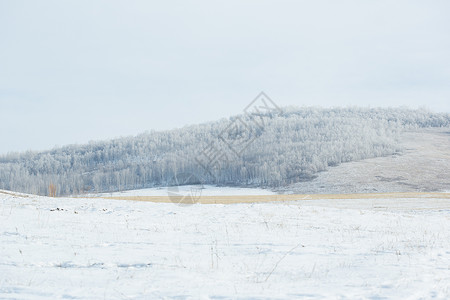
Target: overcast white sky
75,71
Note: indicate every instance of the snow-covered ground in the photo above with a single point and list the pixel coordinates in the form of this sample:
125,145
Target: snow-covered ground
112,249
206,190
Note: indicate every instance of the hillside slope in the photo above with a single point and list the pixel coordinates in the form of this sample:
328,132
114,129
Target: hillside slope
265,150
423,166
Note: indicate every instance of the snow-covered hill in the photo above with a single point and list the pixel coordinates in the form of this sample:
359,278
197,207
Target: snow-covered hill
251,150
111,249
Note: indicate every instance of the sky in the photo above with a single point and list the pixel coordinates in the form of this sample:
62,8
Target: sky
75,71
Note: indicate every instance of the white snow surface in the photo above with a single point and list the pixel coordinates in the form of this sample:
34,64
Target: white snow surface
206,190
84,248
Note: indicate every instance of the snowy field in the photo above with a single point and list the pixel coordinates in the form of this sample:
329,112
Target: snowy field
206,190
111,249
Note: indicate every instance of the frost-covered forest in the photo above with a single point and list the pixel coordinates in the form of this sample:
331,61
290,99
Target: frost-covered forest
272,149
